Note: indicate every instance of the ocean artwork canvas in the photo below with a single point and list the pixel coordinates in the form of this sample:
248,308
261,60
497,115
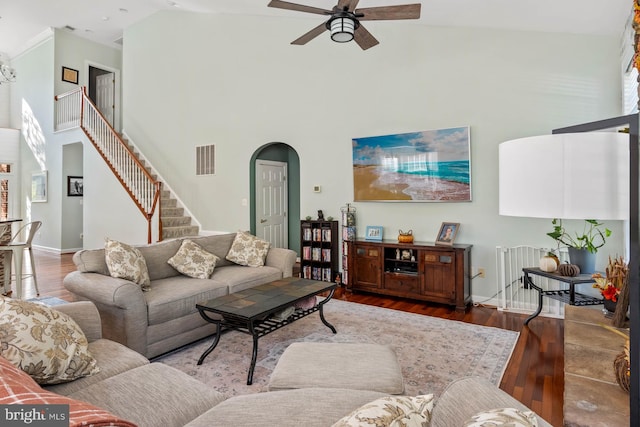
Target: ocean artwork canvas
427,166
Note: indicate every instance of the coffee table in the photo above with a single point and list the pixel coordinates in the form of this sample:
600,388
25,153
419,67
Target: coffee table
250,311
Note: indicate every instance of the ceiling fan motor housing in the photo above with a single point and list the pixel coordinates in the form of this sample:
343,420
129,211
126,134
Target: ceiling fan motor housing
342,26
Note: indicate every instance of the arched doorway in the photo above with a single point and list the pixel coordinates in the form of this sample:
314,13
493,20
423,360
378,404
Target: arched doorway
275,154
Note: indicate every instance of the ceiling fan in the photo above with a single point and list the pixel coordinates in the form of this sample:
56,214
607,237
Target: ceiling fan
344,22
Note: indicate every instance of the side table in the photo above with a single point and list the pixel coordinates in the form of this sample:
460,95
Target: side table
568,296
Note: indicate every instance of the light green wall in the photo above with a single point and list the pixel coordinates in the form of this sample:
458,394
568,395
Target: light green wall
32,111
198,85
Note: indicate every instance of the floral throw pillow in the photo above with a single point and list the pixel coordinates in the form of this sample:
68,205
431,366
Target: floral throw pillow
247,249
392,411
43,342
126,262
193,261
511,417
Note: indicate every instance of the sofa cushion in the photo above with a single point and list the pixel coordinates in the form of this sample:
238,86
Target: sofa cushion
309,407
248,250
113,359
43,342
511,417
156,256
175,297
126,262
193,261
217,244
391,411
153,395
91,261
238,278
17,388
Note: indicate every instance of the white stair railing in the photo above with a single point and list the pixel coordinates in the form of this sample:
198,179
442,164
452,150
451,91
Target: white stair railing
75,109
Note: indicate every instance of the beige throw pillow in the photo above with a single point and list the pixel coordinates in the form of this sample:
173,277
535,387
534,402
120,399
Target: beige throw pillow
248,250
126,262
193,261
43,342
392,411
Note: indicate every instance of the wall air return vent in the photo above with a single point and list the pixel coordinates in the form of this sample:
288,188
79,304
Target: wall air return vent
205,160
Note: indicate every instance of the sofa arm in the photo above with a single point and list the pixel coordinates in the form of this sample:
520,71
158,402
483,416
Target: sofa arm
121,304
465,397
86,315
282,259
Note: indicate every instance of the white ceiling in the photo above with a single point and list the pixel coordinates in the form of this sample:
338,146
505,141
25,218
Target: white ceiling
21,21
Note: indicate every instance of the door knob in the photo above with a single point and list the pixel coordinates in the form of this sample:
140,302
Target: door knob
262,221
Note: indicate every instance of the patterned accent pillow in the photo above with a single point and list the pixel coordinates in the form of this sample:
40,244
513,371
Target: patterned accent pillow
392,411
45,343
193,261
126,262
248,250
17,388
511,417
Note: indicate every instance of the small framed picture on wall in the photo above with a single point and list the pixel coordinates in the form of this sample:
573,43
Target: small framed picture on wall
74,186
69,75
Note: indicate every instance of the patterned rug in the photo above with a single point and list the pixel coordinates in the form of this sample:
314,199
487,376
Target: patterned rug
431,351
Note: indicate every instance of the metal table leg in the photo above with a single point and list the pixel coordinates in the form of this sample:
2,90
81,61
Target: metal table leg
528,283
216,340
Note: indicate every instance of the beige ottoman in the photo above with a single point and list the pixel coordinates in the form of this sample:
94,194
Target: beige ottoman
338,365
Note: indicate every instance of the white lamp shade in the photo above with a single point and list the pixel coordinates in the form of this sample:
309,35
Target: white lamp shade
571,176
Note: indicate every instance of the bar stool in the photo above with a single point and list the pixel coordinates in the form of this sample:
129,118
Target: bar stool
15,250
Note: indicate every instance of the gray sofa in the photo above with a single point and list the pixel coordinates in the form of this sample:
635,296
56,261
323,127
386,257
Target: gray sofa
154,394
165,317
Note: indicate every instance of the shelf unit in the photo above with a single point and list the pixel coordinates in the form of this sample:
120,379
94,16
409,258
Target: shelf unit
348,214
423,271
319,250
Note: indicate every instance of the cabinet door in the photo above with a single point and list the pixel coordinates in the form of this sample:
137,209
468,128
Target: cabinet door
367,262
439,274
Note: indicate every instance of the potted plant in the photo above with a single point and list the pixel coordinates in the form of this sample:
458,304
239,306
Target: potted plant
582,247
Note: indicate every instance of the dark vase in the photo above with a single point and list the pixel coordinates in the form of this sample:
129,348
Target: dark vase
609,305
583,259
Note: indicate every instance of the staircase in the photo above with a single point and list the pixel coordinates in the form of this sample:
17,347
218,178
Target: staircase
75,109
174,222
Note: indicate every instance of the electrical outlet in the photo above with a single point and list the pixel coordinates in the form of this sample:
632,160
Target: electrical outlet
481,272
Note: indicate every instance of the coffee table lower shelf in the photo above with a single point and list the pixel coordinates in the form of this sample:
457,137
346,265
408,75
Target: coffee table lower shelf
259,325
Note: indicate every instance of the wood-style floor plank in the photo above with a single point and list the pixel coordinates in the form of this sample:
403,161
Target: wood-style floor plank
534,374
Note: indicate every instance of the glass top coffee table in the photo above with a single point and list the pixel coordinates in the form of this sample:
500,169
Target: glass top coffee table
250,311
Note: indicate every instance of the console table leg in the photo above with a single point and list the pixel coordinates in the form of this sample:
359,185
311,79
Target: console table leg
529,283
216,340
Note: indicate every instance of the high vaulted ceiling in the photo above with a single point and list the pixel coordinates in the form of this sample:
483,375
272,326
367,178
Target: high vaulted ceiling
22,21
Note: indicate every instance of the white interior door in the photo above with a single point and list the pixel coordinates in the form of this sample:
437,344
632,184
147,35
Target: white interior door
105,94
271,202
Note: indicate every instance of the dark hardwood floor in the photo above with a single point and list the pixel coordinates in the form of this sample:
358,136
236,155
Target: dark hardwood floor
534,375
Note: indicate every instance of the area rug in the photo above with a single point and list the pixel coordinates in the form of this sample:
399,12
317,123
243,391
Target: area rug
431,351
50,301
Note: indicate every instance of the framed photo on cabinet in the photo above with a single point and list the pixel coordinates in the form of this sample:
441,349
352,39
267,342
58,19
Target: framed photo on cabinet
447,233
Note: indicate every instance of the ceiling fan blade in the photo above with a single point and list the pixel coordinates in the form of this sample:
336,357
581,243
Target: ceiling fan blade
402,11
310,35
298,7
349,4
364,38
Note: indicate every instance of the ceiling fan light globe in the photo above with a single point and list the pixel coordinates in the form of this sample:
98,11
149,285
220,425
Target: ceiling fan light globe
342,29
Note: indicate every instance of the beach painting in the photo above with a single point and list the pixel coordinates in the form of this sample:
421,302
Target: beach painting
428,166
